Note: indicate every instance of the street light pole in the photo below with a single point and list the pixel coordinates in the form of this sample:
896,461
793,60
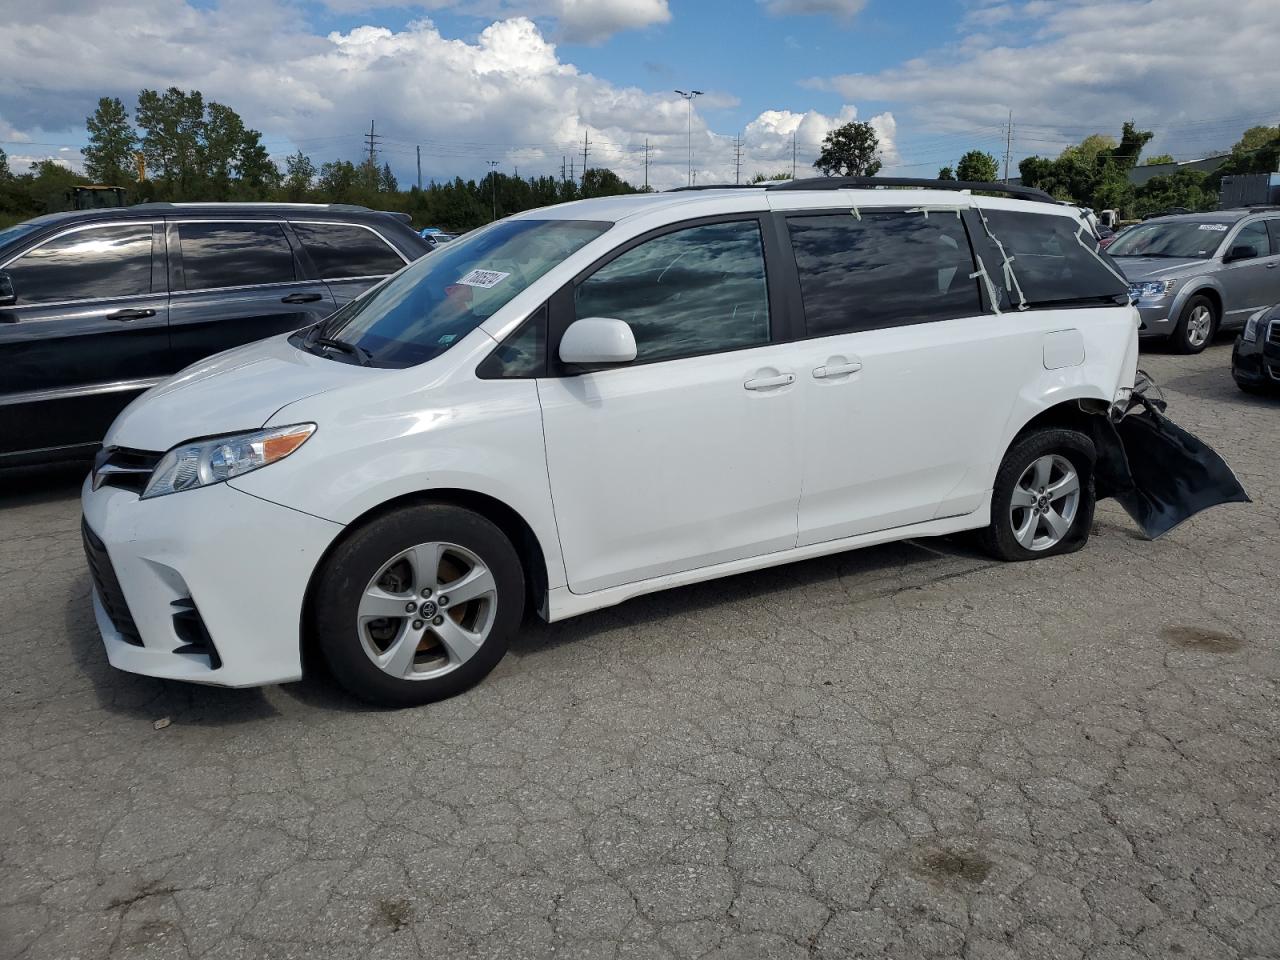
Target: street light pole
493,180
688,99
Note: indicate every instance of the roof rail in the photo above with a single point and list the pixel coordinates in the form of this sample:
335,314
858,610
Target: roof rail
265,204
872,183
715,186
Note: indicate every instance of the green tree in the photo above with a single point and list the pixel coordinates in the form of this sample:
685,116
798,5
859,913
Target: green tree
976,166
1158,159
1257,151
946,173
387,182
222,136
172,126
300,173
256,174
766,177
109,156
340,181
1183,188
852,150
1093,173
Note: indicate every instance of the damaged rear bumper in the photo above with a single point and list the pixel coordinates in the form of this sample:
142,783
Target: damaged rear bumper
1158,472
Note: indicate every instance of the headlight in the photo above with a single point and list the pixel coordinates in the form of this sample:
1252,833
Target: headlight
1150,289
200,463
1252,324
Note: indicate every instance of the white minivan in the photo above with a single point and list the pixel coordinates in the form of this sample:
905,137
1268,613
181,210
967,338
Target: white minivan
587,402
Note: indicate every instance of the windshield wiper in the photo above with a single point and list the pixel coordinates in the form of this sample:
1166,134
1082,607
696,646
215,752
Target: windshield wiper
363,356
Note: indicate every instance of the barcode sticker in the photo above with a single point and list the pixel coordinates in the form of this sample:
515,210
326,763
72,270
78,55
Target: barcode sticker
483,278
1216,227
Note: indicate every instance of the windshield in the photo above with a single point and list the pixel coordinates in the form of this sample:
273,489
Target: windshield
437,300
1174,238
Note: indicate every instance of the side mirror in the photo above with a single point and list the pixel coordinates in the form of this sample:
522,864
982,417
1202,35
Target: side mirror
1244,251
7,297
597,340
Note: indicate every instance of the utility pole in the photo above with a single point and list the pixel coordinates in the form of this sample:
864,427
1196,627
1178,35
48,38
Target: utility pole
737,158
562,167
372,139
493,179
646,164
586,145
688,99
419,150
793,154
572,175
1008,146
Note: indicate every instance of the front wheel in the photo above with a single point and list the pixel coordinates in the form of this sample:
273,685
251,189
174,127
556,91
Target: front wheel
418,605
1043,500
1196,326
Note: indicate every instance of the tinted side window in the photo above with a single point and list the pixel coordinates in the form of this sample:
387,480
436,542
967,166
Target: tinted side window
1253,235
883,270
1274,227
234,254
696,290
344,250
86,265
523,354
1050,263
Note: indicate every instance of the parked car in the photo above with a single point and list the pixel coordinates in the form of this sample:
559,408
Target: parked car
1255,360
98,305
436,237
1105,235
592,401
1199,273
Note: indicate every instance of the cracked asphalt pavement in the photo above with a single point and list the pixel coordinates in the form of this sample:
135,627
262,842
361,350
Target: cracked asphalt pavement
908,751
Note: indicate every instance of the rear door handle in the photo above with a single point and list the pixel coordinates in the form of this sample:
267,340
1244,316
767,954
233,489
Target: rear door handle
300,298
126,315
1273,264
836,370
771,383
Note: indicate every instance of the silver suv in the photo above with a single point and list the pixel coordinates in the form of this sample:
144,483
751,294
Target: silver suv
1197,273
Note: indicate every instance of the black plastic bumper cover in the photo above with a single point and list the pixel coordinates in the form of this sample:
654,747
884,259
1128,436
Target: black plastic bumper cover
1160,473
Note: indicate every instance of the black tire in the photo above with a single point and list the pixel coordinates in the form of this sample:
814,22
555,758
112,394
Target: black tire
349,569
998,538
1179,339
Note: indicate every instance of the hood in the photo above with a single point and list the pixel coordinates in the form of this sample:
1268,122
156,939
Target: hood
1158,268
229,392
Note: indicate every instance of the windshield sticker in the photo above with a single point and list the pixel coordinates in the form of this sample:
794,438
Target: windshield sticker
485,279
1216,227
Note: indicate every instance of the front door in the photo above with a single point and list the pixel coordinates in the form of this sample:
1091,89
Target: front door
88,334
690,455
1250,283
235,282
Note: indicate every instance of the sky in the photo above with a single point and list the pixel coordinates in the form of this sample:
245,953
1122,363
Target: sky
521,82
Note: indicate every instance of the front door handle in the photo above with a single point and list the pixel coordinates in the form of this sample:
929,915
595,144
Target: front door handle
126,315
771,383
300,298
836,370
1273,264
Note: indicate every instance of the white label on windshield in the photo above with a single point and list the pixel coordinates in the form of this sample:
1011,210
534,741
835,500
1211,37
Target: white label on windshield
1216,227
483,278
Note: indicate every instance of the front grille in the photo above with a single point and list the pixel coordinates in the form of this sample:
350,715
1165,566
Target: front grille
124,467
109,592
1273,333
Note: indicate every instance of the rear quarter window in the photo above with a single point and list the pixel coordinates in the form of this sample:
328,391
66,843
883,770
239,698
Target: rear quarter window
344,250
1053,264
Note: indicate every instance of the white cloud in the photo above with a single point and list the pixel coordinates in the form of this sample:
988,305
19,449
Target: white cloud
1074,66
506,95
577,21
841,9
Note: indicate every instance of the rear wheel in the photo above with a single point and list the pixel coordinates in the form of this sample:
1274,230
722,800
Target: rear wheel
1196,326
418,605
1043,500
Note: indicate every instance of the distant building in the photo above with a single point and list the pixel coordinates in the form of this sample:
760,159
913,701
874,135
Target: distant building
1141,174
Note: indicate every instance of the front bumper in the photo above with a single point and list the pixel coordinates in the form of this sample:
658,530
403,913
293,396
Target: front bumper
1158,317
206,585
1256,364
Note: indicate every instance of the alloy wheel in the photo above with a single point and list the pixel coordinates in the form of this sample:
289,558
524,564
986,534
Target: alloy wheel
427,611
1044,503
1199,326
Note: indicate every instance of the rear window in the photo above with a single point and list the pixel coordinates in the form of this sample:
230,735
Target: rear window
439,299
882,270
344,250
219,254
1052,262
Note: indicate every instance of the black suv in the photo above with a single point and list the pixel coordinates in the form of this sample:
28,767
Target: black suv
98,305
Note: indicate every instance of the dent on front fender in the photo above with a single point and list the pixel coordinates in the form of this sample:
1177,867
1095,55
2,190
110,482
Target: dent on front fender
1158,472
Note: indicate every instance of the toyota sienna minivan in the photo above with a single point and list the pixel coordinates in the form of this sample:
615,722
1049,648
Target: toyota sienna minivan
584,403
